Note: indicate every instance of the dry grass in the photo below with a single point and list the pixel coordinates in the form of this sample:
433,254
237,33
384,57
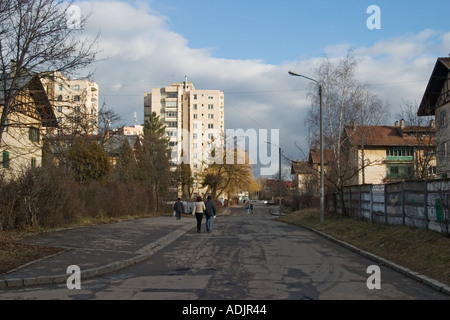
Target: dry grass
424,251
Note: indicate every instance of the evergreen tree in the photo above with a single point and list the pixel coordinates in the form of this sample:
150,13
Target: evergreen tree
154,157
89,162
125,170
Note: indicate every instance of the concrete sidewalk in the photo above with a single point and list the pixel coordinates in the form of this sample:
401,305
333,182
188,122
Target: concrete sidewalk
98,249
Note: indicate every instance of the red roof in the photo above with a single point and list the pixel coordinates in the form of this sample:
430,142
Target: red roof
390,136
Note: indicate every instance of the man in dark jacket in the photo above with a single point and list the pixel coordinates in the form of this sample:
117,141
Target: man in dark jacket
210,213
178,207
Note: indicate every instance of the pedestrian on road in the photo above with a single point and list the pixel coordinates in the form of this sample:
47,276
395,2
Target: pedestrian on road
199,211
210,213
178,207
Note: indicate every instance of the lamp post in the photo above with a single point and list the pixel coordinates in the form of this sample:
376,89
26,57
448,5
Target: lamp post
292,73
279,175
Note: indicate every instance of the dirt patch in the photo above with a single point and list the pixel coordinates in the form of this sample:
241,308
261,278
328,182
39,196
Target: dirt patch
14,255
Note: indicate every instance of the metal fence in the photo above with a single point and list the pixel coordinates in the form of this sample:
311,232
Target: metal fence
421,204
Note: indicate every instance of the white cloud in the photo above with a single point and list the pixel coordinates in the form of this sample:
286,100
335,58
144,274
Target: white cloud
144,54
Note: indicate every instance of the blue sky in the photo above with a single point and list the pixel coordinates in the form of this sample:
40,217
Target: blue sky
246,48
278,31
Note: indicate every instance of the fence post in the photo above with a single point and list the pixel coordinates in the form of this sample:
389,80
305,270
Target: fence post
385,204
403,203
425,205
371,203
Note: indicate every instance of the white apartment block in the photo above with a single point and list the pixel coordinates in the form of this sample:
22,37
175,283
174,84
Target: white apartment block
194,121
75,103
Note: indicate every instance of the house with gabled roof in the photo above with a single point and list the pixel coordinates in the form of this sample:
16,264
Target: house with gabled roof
436,102
306,173
381,154
29,115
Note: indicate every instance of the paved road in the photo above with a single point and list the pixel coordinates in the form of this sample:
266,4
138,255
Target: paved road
246,257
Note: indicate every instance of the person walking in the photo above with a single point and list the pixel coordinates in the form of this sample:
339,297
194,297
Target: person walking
210,213
178,207
199,210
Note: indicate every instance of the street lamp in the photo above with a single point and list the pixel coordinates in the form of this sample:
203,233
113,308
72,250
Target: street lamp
292,73
279,174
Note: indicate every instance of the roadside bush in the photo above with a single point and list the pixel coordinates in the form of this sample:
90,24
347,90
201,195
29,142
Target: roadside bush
50,197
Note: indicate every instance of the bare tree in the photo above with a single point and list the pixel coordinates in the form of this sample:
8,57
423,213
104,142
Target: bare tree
424,130
36,37
345,100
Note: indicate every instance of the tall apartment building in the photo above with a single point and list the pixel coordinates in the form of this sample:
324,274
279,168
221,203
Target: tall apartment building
194,121
75,103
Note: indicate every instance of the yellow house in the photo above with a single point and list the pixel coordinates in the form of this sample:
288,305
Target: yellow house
307,173
29,114
382,154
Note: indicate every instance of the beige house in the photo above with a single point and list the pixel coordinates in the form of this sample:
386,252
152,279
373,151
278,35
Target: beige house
194,121
380,154
75,103
307,173
31,113
436,102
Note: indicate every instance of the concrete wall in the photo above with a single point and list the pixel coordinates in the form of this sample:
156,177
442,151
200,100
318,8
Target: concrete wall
410,203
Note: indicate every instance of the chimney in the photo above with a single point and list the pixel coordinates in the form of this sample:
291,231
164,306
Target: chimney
13,68
396,123
402,123
353,125
432,123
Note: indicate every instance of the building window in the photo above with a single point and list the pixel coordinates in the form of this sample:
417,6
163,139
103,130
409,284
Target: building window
194,145
171,104
194,136
172,124
76,98
5,129
76,87
171,114
211,116
60,98
400,153
195,107
195,97
210,126
194,126
5,159
60,109
211,97
432,170
442,119
210,136
194,116
34,134
33,163
60,87
443,151
210,106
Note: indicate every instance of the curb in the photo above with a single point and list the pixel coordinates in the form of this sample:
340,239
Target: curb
434,284
143,254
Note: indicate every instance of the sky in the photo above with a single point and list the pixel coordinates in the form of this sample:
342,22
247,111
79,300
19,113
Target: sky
245,48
